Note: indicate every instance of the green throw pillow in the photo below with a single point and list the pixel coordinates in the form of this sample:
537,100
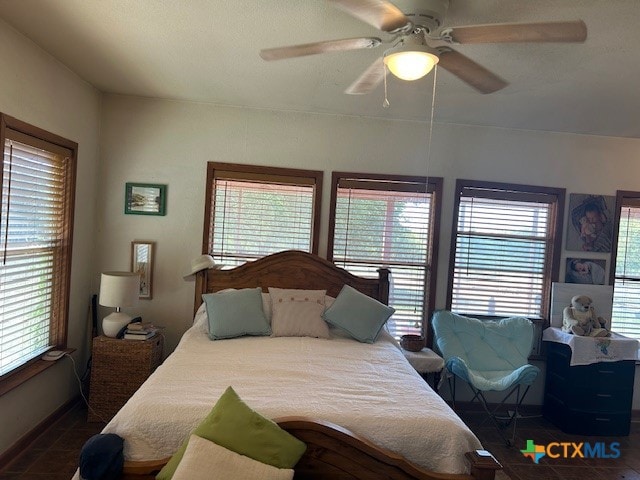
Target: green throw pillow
235,426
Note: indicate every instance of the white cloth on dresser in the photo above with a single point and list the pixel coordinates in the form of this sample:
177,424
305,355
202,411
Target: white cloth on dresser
588,350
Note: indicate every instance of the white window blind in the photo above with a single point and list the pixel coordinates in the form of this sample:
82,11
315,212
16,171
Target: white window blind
33,247
625,318
503,243
387,224
253,218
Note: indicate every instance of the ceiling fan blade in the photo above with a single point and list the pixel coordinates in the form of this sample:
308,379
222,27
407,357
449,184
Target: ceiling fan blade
381,14
369,80
292,51
575,31
470,72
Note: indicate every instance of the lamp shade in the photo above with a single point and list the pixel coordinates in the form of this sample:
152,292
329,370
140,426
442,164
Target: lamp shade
119,289
410,62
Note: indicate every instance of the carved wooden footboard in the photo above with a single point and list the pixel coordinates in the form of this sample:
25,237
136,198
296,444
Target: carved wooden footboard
337,454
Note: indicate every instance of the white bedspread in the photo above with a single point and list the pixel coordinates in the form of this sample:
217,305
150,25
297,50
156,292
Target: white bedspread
369,389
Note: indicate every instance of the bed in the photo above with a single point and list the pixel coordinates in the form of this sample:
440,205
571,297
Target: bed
360,408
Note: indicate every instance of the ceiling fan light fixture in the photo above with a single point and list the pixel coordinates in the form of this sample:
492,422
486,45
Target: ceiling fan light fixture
410,62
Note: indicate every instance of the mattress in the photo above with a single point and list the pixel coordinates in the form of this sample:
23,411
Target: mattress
370,389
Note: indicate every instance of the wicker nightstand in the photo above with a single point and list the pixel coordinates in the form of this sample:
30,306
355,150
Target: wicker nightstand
118,368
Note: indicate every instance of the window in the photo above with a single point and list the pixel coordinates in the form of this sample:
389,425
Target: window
625,316
255,211
36,218
389,221
505,249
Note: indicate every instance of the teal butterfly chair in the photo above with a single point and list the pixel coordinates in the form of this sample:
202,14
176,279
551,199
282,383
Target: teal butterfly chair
489,356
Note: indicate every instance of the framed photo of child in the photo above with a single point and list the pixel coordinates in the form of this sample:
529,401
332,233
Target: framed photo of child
590,223
587,271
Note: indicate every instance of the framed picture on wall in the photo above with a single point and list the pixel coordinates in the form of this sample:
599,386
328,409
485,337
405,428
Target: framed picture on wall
142,264
590,223
588,271
145,199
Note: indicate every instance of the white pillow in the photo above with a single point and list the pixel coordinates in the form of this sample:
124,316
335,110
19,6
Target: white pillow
205,460
298,313
266,306
201,321
328,301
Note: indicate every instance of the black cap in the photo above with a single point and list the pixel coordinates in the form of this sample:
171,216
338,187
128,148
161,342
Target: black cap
101,457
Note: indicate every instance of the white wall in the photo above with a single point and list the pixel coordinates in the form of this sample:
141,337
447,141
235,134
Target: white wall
169,142
159,141
39,90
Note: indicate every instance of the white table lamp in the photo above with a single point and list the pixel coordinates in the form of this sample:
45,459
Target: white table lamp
118,289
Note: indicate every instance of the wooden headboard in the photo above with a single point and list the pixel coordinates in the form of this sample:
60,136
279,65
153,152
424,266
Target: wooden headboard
291,269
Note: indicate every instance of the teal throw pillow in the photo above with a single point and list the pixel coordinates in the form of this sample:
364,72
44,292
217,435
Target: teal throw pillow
361,316
235,313
232,424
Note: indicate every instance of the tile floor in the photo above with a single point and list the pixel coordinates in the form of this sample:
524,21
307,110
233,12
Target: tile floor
542,432
54,455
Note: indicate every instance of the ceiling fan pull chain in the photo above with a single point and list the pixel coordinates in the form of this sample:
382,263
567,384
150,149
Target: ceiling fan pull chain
385,103
431,116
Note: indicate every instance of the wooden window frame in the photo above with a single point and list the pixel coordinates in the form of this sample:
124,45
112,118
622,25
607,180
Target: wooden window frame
510,191
258,172
59,332
435,187
623,198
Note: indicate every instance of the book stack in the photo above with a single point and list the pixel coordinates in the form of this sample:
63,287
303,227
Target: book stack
140,331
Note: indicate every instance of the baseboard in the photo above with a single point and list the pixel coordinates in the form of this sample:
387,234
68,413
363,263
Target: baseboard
27,439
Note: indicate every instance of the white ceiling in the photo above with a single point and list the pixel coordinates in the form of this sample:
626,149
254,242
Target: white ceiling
207,51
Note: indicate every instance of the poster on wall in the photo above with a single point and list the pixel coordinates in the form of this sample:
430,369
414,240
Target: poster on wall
588,271
590,223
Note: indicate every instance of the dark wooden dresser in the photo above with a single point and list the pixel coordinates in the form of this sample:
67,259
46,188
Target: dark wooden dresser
587,399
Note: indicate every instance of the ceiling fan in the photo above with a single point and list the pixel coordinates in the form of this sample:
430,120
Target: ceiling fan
420,40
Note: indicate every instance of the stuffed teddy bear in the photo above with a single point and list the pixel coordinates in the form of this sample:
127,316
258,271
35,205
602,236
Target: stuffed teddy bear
580,319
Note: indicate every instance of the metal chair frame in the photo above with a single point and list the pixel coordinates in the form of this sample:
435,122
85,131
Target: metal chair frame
506,421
